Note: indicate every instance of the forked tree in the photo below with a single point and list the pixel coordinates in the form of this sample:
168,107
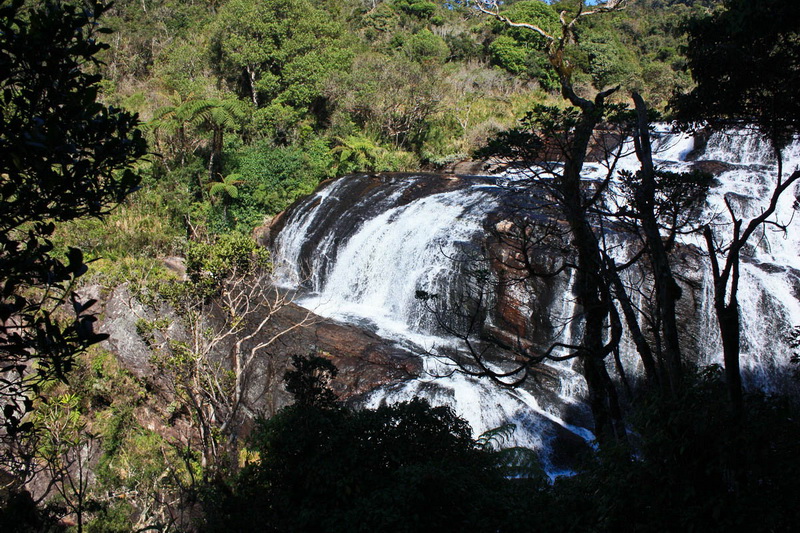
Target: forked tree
745,60
214,351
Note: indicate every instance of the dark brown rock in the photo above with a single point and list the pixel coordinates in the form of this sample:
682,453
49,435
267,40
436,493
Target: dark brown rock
365,361
261,234
715,168
468,167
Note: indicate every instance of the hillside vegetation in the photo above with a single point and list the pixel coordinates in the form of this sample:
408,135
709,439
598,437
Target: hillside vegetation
249,104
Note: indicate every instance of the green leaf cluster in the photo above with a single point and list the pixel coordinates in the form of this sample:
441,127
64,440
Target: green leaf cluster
419,8
229,252
64,155
744,59
285,47
406,467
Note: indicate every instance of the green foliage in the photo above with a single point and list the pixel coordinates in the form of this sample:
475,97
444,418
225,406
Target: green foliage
424,46
520,50
226,189
418,8
286,48
215,115
148,225
407,467
381,22
531,12
610,62
361,154
507,53
63,156
227,114
521,61
388,96
397,94
136,466
463,46
745,60
213,262
527,141
268,179
209,266
99,410
275,177
643,41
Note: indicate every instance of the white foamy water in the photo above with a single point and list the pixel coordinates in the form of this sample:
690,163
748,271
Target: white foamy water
408,248
286,258
370,271
768,290
372,280
741,147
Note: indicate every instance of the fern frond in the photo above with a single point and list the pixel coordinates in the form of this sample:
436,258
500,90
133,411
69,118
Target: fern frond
519,462
494,439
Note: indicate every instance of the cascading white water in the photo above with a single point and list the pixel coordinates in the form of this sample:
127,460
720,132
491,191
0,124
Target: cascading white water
670,147
770,284
372,279
385,247
741,147
286,258
407,248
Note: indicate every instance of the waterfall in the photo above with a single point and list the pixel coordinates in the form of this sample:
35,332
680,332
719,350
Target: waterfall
742,147
286,260
769,289
375,276
361,248
367,267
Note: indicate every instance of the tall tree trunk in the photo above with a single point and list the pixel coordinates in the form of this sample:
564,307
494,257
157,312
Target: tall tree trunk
591,290
251,79
728,316
726,306
631,318
216,154
667,289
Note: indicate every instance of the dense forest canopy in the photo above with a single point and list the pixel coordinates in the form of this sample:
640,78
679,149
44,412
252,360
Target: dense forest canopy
322,89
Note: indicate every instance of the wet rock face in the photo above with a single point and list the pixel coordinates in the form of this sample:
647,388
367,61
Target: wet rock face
344,212
529,305
712,167
365,361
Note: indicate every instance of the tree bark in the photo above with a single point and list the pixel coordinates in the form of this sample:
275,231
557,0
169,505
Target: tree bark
631,318
666,288
251,79
591,289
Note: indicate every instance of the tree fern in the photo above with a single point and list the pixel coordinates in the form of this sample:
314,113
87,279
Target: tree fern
226,189
356,153
514,461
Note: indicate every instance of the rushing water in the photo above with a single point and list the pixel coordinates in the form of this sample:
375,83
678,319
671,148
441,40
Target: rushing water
770,286
361,248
